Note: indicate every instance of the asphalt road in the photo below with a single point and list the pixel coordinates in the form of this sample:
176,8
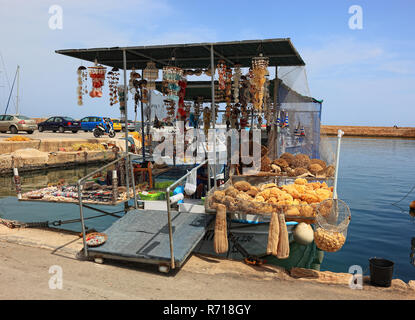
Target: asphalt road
25,274
56,135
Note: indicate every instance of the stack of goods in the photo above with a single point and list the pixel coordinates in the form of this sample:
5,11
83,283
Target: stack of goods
17,138
88,146
97,74
299,165
298,200
92,192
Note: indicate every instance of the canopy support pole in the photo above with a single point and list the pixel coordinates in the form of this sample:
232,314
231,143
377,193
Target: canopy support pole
127,182
273,146
213,111
143,137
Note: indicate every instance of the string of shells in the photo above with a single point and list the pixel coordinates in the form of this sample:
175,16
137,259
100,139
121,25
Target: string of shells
82,84
113,79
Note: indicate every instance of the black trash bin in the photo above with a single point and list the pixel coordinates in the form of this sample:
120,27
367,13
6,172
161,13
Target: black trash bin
381,271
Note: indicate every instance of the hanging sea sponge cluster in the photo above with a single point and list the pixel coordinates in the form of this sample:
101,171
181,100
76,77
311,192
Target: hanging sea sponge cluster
297,200
300,165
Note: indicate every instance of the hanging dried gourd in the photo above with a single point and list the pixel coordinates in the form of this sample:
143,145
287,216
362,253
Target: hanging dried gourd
222,74
81,89
259,72
97,74
236,82
151,74
113,79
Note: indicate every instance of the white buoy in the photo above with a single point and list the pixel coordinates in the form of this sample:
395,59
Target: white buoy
303,234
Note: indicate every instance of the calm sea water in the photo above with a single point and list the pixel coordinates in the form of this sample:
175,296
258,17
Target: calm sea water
373,174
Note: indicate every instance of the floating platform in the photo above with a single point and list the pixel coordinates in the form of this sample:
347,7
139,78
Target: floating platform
143,236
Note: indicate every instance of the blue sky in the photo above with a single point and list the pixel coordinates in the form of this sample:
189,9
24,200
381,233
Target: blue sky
365,77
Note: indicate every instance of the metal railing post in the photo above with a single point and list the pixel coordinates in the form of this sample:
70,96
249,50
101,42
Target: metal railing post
82,219
172,186
172,263
133,181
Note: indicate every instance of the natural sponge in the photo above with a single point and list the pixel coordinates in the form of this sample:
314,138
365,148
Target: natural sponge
314,168
300,161
242,185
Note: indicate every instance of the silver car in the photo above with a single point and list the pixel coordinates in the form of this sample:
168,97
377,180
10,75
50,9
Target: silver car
16,123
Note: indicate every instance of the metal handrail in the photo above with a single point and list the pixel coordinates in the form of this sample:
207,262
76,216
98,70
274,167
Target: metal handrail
173,185
127,157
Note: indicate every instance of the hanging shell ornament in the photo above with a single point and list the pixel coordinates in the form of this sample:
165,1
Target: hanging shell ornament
151,74
259,72
113,79
236,82
81,89
222,74
97,74
207,119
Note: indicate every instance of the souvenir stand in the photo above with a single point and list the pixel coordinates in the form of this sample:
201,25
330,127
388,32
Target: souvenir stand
168,232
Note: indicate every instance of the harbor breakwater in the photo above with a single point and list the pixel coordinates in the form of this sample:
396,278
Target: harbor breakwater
366,131
53,153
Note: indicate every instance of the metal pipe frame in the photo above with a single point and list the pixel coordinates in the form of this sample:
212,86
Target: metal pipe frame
213,110
81,181
172,186
127,182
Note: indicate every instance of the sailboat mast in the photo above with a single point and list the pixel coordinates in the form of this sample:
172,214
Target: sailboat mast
17,94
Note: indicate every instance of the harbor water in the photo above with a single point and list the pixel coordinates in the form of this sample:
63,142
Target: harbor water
374,174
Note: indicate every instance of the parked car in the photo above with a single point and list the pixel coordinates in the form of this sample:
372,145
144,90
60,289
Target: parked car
59,123
16,123
116,124
90,123
130,125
